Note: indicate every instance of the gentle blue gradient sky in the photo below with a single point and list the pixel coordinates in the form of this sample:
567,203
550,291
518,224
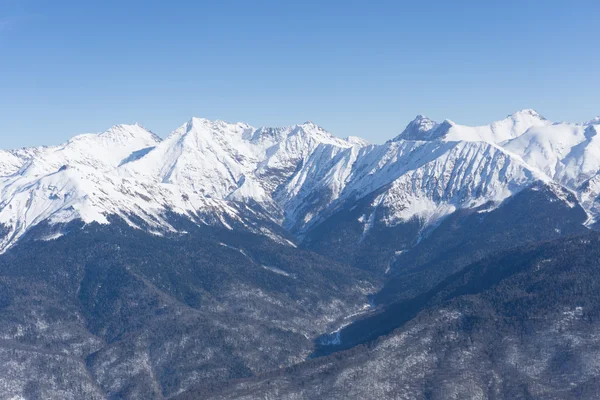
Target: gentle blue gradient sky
362,68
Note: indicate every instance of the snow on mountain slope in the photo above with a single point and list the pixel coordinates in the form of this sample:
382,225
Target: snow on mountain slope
83,192
426,179
428,171
318,182
231,161
203,157
356,141
567,153
465,175
202,170
422,128
11,161
103,151
295,176
589,196
73,180
282,158
432,169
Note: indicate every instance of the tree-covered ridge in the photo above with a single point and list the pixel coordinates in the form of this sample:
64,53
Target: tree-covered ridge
522,324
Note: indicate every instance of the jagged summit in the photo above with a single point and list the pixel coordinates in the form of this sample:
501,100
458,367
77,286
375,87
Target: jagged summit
424,128
417,128
421,122
527,112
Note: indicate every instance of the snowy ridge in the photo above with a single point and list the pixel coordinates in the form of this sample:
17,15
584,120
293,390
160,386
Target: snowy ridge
423,128
425,179
11,161
103,151
235,175
569,154
207,171
356,141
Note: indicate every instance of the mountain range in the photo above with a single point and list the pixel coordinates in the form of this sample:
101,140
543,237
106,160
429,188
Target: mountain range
228,261
296,176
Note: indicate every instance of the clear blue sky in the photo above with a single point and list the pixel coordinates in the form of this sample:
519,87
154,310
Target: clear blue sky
362,68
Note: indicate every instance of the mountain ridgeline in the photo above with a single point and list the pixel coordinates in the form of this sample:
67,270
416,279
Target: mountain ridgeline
233,262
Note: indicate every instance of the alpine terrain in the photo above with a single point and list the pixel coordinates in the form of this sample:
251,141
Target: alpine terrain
232,262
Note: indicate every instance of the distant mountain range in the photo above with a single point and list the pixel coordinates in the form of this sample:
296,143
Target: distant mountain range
297,176
141,268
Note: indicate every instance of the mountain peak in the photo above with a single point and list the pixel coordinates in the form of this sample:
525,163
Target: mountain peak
527,113
423,122
311,126
420,128
310,129
594,121
218,123
127,132
198,127
202,122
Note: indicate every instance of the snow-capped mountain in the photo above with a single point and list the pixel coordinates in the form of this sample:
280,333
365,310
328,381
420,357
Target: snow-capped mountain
205,170
428,171
426,179
230,161
222,173
423,128
567,153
